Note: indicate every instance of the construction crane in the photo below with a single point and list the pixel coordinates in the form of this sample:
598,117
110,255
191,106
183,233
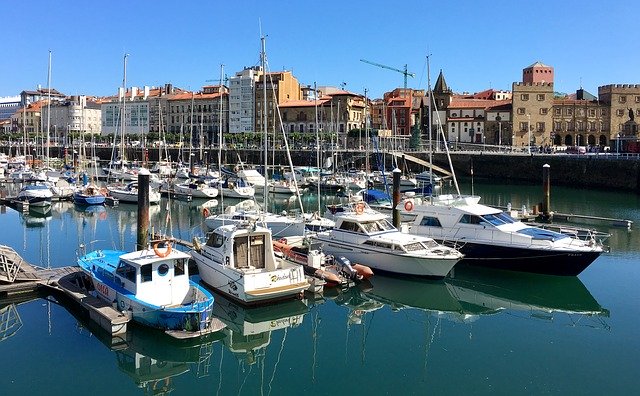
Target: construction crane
404,72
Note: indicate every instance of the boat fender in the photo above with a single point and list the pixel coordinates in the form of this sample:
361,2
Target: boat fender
408,206
206,212
359,208
158,252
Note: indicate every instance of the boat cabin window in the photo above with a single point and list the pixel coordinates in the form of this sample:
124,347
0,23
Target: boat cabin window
473,219
163,269
350,226
178,268
497,219
383,245
215,240
145,273
429,221
126,271
414,246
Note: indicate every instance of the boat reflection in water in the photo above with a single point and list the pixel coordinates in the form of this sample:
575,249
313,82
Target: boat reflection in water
249,330
540,295
470,293
151,358
10,320
356,299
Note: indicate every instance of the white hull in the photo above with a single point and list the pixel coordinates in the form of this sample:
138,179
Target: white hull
437,267
252,285
132,197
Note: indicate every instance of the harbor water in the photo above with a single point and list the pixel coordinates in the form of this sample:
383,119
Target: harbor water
478,332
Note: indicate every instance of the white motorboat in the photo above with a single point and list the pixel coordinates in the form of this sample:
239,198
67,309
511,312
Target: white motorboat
196,188
492,238
366,236
237,188
129,193
248,210
37,194
239,262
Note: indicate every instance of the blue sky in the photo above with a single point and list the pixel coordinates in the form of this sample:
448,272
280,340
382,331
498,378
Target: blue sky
478,44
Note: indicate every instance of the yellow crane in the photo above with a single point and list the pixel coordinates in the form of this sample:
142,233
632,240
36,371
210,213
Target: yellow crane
404,72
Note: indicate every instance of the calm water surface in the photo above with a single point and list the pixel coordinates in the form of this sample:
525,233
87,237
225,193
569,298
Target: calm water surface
480,332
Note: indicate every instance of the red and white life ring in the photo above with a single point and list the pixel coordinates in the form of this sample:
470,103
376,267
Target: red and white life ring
408,206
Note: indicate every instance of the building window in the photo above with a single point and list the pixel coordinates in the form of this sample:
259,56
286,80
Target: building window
557,125
540,97
637,99
521,110
568,111
580,126
540,126
544,111
523,126
620,112
603,112
592,112
557,111
622,99
524,97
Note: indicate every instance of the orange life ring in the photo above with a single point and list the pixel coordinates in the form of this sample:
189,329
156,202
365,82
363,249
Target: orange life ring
408,206
158,252
359,208
205,212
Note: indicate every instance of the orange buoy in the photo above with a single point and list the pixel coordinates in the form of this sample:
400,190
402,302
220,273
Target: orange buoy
158,252
205,212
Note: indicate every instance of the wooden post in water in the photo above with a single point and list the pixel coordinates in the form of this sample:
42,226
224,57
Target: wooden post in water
143,209
396,197
546,187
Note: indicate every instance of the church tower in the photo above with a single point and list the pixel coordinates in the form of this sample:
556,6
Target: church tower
537,73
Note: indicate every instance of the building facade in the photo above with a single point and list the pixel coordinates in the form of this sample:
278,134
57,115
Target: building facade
280,87
242,96
76,115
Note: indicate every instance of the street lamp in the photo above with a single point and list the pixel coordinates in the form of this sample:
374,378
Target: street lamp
618,144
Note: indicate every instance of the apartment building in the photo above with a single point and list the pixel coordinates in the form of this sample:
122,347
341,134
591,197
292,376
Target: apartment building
280,87
242,95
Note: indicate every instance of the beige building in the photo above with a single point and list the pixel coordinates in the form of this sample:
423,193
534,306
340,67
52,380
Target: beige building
77,114
280,87
624,105
27,120
197,117
532,113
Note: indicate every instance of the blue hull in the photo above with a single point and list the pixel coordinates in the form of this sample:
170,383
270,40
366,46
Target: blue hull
82,199
191,316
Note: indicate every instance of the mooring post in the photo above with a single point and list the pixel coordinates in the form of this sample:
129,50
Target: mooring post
143,209
396,197
546,187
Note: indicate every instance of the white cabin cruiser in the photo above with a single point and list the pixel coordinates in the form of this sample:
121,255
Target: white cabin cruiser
239,262
490,237
366,236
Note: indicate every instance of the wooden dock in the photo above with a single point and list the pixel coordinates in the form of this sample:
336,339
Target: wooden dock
19,277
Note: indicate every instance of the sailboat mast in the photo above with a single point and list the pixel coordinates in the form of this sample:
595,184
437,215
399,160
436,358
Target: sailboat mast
220,137
429,123
48,105
315,99
124,105
263,62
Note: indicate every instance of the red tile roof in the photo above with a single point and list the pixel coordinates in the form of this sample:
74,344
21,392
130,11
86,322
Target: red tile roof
304,103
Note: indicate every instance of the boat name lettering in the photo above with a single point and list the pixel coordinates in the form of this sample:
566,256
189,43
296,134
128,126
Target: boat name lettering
102,288
275,278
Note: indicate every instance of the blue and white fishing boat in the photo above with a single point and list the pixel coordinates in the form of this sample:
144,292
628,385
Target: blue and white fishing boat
154,285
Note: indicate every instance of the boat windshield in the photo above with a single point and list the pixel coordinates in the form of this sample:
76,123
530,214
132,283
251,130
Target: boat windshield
414,246
377,225
498,218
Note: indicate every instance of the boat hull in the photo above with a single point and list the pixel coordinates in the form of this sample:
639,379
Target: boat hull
436,268
252,287
88,199
549,262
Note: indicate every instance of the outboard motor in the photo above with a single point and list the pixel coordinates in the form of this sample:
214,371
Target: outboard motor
345,266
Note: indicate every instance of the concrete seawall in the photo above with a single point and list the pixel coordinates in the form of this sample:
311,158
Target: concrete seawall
587,171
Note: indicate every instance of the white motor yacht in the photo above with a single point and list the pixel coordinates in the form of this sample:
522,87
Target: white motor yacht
367,237
492,238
